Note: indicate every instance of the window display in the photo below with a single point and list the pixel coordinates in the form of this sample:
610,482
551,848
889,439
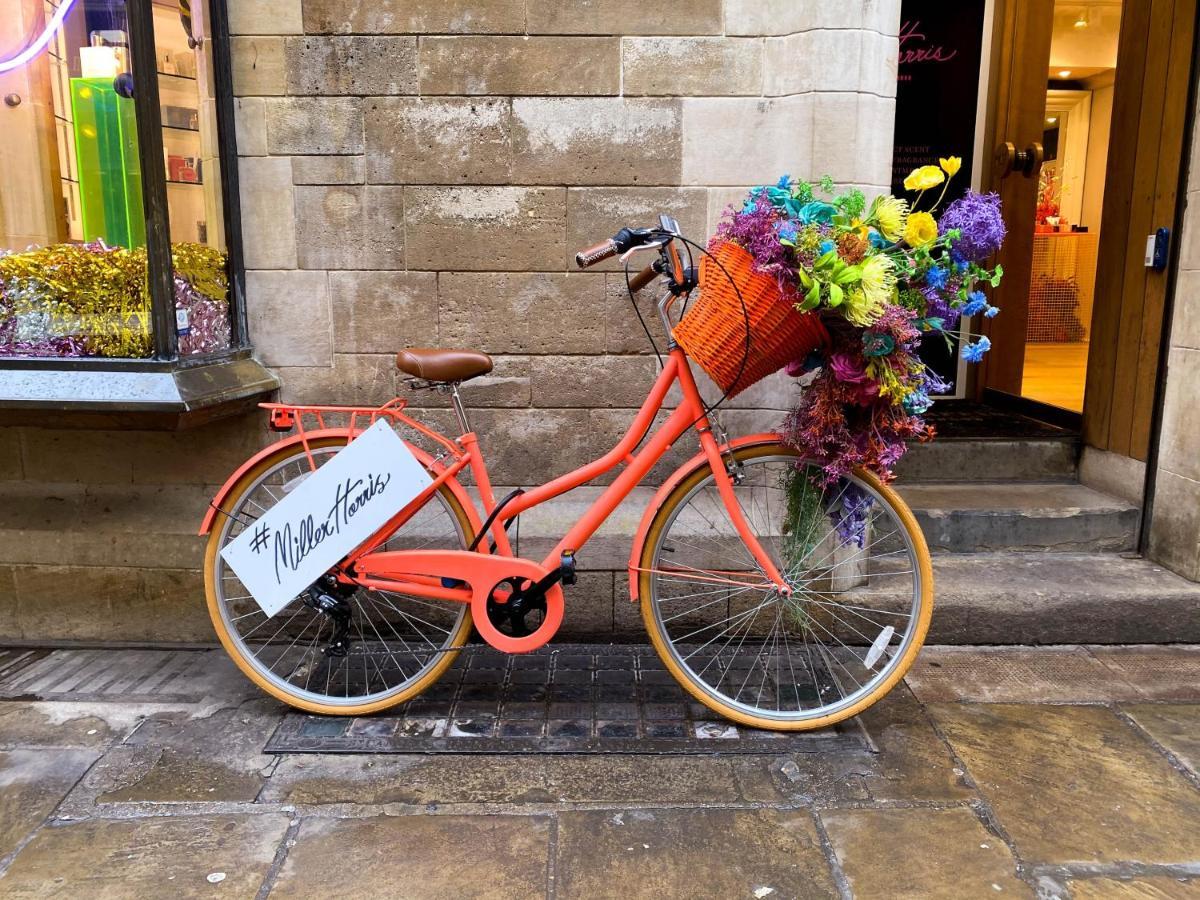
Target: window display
74,278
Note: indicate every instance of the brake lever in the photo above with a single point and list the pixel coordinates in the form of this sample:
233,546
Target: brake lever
651,245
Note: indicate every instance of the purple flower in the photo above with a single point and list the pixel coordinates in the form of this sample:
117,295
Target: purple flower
977,218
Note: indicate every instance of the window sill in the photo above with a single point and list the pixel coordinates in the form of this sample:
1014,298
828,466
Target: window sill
144,395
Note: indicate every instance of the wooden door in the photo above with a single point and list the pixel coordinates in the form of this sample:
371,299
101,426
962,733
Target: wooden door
1021,50
1150,106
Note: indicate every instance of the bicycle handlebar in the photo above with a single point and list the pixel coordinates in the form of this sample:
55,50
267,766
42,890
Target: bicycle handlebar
643,278
625,239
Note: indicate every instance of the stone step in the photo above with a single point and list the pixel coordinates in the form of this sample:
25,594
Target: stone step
971,518
950,460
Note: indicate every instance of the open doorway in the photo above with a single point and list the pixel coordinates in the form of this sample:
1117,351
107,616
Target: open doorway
1070,200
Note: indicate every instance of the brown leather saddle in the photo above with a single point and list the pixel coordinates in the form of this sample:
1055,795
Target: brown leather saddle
443,365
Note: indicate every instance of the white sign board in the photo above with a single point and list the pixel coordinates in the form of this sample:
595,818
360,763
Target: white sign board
329,513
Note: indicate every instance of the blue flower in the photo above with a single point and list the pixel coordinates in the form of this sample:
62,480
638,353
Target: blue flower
877,240
817,212
749,206
976,303
826,245
787,231
917,403
784,183
936,277
991,312
973,353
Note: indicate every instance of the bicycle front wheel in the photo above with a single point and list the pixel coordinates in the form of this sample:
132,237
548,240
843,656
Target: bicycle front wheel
859,607
397,645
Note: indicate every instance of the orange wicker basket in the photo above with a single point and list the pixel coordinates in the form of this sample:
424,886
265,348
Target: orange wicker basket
713,332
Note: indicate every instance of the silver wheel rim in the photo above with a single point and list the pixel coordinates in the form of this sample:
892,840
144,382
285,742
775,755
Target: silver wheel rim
389,632
807,671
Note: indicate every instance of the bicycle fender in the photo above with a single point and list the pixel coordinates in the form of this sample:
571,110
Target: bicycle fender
635,552
424,458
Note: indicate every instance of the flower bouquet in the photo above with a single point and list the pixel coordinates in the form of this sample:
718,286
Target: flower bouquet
882,276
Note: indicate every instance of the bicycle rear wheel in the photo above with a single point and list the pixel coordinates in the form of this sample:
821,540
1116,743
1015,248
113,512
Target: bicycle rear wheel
398,645
860,603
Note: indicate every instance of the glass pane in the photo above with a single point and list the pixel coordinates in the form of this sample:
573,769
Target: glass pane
72,228
187,94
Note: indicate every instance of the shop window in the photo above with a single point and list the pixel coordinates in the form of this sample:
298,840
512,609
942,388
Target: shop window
115,225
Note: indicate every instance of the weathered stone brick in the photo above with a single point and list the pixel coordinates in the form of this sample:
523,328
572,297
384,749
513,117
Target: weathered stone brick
522,313
258,66
623,17
691,67
350,226
288,317
315,125
439,140
589,606
720,199
596,213
414,16
596,141
592,381
328,170
488,228
380,312
623,332
168,606
776,17
9,618
608,426
46,611
353,378
358,65
52,455
520,65
198,456
10,455
771,137
268,225
847,60
528,447
507,385
250,126
265,17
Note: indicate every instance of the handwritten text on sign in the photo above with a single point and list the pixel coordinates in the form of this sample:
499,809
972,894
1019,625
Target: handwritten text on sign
325,516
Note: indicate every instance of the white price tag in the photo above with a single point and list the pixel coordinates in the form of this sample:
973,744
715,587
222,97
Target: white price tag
327,515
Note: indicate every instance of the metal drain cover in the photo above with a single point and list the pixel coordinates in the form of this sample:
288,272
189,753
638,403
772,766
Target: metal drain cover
567,699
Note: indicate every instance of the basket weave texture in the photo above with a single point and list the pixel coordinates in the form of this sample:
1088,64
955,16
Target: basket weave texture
713,332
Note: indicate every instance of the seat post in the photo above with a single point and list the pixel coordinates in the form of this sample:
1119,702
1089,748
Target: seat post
456,401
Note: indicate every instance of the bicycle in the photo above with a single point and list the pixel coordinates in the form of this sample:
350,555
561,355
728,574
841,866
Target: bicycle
756,631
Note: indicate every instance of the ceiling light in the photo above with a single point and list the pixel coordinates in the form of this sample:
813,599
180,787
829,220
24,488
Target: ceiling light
1051,120
1064,73
1082,21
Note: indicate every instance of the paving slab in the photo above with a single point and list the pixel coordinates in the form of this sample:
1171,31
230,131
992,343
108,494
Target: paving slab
690,853
154,857
32,784
1146,887
1075,784
35,724
318,779
1176,726
921,853
1159,673
418,856
1016,675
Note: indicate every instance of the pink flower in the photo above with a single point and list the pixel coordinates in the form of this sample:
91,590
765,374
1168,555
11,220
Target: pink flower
846,369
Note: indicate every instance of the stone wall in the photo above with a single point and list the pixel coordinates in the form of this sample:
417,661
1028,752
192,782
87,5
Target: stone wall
419,172
1175,518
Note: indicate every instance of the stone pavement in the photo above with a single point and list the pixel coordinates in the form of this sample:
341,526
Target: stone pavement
1069,772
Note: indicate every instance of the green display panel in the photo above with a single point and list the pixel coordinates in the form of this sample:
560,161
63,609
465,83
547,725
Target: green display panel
110,178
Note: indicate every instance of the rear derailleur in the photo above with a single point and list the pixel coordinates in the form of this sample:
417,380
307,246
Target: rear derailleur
331,598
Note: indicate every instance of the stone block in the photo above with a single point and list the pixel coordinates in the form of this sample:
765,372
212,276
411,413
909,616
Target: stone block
200,456
608,426
45,611
622,331
836,150
10,455
250,126
691,66
589,606
1175,527
507,385
1180,434
592,381
771,137
608,141
511,65
531,447
485,228
356,65
622,17
169,606
521,312
846,60
872,145
32,785
1189,246
719,200
380,312
328,170
53,455
353,379
1185,329
268,224
288,317
438,140
265,17
350,227
781,17
10,626
596,213
258,68
414,17
315,125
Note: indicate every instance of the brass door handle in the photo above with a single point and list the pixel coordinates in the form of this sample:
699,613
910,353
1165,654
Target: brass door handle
1009,159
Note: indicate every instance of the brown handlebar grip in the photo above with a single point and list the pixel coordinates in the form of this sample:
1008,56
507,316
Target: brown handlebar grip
593,255
642,278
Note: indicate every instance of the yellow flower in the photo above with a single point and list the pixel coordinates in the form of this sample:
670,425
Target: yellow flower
920,229
923,178
890,215
951,165
876,288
